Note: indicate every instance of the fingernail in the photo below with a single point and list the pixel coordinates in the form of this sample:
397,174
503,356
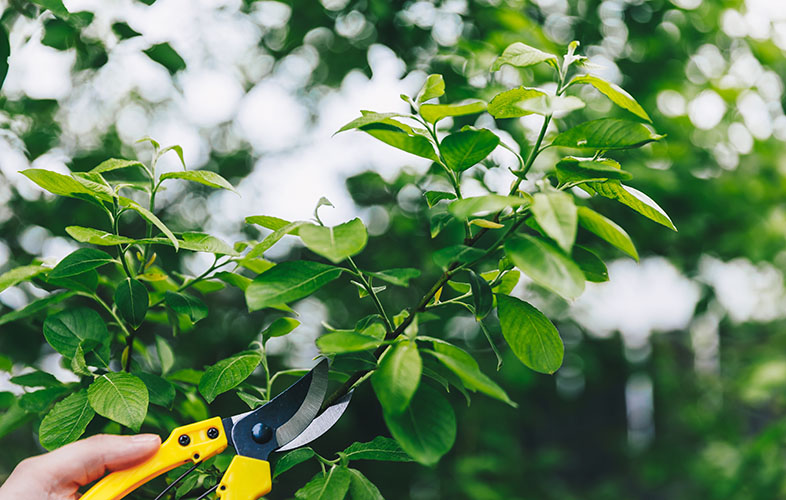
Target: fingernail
146,439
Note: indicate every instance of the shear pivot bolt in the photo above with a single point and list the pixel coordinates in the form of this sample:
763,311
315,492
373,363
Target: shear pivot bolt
184,440
261,433
212,433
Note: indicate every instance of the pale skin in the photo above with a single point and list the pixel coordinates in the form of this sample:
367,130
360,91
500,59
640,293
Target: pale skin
60,474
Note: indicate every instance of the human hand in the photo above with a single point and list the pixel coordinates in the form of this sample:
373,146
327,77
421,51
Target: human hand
59,474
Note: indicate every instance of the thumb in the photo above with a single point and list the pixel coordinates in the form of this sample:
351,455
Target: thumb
85,461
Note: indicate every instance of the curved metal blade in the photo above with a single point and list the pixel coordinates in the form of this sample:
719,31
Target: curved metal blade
281,419
321,424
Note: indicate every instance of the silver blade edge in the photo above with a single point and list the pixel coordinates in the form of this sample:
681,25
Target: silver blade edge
320,425
308,409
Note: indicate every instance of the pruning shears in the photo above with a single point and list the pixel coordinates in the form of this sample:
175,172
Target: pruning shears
290,420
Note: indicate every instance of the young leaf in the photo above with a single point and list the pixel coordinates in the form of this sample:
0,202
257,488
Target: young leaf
398,377
507,104
555,212
121,397
132,301
635,199
66,422
188,305
150,217
426,430
274,237
482,298
456,253
343,341
269,222
287,282
227,374
201,242
606,134
65,330
379,448
546,265
335,243
414,144
20,274
464,149
607,229
467,370
591,265
572,170
331,486
280,327
291,459
434,87
59,184
361,488
80,261
617,94
521,55
486,204
371,118
96,236
530,334
432,113
205,177
116,164
434,197
165,355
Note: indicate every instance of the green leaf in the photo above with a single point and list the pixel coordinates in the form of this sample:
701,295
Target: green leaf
205,177
465,149
36,379
414,144
335,243
482,298
177,149
521,55
396,276
432,113
332,486
508,282
546,265
201,242
86,282
291,459
606,134
507,104
635,199
371,118
617,94
66,422
432,88
188,305
345,341
590,264
120,397
5,53
116,164
608,230
456,253
161,391
280,327
426,430
132,301
269,222
56,6
467,370
556,214
59,184
572,170
379,448
547,105
434,197
227,374
150,217
287,282
486,204
274,237
39,401
6,364
398,377
66,330
165,355
80,261
165,55
530,334
20,274
96,184
78,363
361,488
96,236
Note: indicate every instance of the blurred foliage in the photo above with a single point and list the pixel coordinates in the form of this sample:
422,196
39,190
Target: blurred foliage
718,435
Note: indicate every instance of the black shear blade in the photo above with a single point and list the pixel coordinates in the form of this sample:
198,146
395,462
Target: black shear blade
257,433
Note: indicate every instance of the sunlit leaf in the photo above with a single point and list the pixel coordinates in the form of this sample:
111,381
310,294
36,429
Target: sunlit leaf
572,170
205,177
398,377
464,149
634,199
507,104
121,397
20,274
617,94
530,334
432,113
555,212
287,282
335,243
432,88
608,230
478,205
606,134
521,55
546,265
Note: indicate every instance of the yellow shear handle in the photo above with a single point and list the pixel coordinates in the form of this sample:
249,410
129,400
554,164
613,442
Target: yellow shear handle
191,443
245,479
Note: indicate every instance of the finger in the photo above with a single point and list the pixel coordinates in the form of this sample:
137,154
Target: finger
85,461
